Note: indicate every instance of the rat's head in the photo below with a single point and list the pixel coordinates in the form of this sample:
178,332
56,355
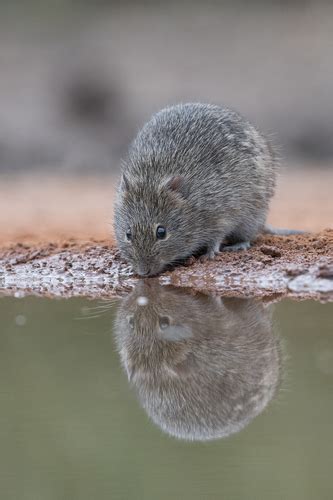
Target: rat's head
154,224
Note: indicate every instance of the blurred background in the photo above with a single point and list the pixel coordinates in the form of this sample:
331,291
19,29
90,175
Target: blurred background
79,78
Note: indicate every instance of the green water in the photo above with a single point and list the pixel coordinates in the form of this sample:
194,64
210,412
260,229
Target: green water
72,426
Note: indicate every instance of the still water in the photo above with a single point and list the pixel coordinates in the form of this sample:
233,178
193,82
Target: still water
165,394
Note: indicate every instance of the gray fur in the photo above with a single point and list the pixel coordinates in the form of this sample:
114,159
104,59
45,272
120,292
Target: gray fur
202,367
204,173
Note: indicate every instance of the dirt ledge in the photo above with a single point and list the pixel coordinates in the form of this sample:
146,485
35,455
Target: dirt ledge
295,266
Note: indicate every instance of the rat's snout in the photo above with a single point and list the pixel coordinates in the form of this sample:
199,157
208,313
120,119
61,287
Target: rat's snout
151,268
143,270
148,265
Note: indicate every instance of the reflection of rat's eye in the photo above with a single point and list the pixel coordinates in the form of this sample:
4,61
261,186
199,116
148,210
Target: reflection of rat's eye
129,234
160,232
164,322
130,320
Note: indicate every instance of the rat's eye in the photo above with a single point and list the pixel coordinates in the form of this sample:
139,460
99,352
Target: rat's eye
129,234
161,232
130,320
164,322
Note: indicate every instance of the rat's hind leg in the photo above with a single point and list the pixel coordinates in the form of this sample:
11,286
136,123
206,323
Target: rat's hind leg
240,239
241,245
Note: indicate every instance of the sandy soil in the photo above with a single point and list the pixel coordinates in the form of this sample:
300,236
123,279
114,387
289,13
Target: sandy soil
46,209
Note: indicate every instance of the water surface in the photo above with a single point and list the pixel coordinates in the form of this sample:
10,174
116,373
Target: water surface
80,416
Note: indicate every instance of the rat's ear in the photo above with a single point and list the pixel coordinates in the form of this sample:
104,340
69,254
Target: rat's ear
178,184
124,183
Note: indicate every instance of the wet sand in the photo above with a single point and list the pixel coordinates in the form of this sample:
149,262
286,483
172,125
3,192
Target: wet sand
297,266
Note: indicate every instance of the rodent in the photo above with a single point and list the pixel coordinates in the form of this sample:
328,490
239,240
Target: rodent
202,367
197,176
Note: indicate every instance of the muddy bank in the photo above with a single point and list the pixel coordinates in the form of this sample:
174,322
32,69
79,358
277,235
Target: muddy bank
295,266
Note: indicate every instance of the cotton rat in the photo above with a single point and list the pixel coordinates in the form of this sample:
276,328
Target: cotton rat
202,367
196,176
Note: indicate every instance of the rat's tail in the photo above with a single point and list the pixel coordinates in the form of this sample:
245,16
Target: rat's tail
268,229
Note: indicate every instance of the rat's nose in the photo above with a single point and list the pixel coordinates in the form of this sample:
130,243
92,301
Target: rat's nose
143,271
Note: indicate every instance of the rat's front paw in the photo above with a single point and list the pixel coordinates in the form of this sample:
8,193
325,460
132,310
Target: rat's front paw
210,254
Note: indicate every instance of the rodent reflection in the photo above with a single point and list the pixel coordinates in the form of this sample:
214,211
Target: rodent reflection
202,367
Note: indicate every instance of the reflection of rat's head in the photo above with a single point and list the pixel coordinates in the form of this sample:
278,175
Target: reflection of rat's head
202,367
